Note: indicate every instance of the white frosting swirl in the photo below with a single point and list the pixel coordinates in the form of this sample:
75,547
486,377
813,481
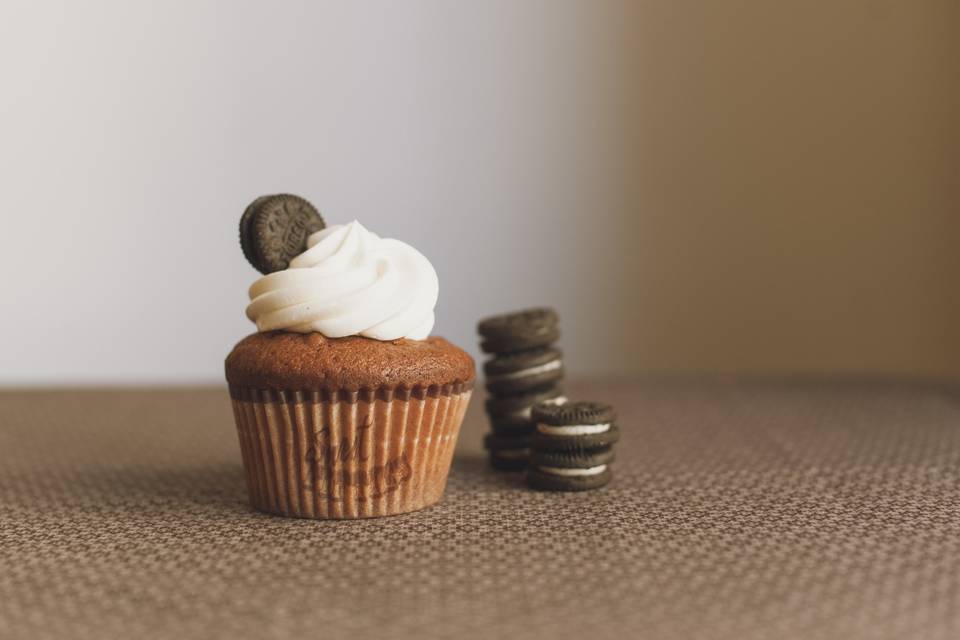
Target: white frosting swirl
348,282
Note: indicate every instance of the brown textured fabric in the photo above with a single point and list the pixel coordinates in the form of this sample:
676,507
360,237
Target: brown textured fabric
737,511
310,361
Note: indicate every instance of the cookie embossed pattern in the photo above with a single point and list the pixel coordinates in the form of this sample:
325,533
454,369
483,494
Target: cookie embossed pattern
345,405
274,229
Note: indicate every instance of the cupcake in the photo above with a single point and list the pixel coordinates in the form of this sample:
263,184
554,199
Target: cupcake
345,406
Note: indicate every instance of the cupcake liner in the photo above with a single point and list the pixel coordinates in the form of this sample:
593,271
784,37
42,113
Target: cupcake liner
343,454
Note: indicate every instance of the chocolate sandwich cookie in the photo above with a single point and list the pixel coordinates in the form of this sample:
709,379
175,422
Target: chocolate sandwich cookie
514,409
518,372
529,329
574,426
274,230
507,453
512,426
570,471
572,459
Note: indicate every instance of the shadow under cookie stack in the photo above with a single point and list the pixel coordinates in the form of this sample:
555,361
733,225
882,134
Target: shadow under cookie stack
525,370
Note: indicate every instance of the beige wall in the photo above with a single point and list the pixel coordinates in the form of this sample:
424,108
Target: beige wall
793,185
703,186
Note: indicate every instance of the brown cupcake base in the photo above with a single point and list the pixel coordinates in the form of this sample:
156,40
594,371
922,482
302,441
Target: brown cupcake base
322,455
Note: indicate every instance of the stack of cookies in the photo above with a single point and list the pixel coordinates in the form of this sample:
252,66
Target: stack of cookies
572,446
524,371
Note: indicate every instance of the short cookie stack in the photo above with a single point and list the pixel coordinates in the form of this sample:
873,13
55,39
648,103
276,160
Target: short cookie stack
525,370
572,446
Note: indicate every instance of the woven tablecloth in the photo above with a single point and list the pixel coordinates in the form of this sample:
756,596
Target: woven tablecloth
738,510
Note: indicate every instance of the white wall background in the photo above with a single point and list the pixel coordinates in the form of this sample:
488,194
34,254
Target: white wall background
698,187
134,134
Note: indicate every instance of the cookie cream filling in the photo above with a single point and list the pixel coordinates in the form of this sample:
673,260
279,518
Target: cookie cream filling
512,453
572,429
553,365
561,471
525,412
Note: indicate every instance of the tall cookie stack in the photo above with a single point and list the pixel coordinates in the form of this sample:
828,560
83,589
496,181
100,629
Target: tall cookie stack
572,446
524,371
